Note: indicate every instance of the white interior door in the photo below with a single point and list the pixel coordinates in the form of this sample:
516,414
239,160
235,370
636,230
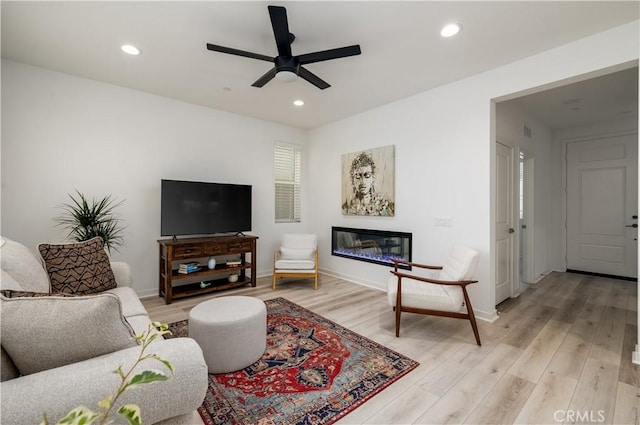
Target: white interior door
504,222
602,202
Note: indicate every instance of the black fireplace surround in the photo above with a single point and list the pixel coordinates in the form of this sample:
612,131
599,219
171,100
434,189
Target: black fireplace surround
372,246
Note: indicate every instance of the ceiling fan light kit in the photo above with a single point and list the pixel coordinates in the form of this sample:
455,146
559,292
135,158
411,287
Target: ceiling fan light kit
286,76
286,66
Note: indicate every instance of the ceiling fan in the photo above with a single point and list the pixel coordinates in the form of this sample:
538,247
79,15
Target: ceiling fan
288,67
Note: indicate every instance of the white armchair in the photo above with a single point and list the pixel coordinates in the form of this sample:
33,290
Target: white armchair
296,257
446,295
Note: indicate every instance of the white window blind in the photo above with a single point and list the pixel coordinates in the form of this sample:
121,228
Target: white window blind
287,166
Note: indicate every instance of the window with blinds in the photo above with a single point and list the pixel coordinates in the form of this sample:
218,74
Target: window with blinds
287,164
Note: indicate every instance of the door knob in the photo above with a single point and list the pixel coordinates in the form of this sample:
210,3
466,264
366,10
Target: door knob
511,230
632,225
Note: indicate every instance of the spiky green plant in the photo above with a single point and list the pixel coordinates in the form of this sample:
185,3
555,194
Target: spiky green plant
86,220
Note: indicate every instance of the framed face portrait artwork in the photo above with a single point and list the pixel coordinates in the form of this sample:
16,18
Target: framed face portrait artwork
368,182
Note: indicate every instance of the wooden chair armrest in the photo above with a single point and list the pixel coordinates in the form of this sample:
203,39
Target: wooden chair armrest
409,263
436,281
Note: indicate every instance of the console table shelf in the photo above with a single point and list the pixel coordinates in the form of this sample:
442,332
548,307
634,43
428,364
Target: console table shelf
173,253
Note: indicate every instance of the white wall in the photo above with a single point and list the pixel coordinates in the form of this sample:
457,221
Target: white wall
510,120
445,149
61,133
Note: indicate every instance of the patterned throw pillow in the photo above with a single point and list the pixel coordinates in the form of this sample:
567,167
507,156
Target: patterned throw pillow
78,268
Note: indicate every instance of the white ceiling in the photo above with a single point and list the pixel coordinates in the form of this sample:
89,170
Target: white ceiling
402,52
605,98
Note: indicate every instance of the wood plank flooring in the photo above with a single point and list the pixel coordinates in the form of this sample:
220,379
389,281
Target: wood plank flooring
559,353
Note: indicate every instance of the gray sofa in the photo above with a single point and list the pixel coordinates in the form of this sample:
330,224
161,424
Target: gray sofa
63,373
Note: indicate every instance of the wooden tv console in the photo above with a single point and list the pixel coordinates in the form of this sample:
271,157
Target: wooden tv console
175,252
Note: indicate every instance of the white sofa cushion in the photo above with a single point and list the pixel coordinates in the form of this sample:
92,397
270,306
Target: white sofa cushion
122,273
8,369
9,283
57,391
23,266
296,253
67,330
129,301
297,265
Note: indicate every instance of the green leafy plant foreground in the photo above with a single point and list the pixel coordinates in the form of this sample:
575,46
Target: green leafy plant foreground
82,415
87,219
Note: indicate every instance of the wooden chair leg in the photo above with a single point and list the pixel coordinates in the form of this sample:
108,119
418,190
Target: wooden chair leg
472,317
474,326
273,284
398,307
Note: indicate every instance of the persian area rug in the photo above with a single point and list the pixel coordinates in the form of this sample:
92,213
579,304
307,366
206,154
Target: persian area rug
313,371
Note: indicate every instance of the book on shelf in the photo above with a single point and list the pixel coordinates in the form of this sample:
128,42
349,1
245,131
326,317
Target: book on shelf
183,271
190,267
233,263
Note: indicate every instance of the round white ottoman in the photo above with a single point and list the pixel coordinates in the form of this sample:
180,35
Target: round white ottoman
232,331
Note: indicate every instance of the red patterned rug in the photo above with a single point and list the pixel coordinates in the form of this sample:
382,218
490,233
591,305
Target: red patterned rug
314,371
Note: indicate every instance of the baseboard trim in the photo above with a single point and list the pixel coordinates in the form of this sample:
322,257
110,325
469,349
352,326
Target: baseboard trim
610,276
353,279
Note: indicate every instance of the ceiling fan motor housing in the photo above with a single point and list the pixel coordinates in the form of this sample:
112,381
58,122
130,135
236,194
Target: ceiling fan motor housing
284,63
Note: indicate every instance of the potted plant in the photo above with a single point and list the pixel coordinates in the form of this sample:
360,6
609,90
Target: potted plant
86,220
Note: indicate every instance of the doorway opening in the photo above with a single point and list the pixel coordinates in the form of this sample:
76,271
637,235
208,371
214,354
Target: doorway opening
526,243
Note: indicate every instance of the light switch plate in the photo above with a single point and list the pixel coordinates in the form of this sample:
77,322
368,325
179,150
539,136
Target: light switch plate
443,221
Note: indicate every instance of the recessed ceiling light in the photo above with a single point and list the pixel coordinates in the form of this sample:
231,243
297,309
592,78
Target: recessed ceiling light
130,49
450,30
298,102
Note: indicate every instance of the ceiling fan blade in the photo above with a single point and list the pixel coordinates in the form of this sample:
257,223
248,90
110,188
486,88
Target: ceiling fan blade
326,55
237,52
312,78
280,26
265,78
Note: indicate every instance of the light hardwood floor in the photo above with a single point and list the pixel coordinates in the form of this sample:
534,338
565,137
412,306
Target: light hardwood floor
559,353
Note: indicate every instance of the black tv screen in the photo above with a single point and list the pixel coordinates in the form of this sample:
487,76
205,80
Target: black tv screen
200,208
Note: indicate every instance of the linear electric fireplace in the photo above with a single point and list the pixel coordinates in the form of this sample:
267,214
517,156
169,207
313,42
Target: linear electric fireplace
372,246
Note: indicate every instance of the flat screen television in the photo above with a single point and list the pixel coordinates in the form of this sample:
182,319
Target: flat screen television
200,208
